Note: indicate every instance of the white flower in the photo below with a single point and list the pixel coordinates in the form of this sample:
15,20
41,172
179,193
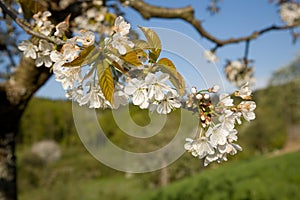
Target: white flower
290,12
247,108
45,46
210,56
121,26
44,56
200,147
61,28
232,136
217,134
244,92
46,29
169,103
58,58
28,48
227,119
69,53
40,18
87,38
67,76
138,90
156,87
120,97
120,42
225,100
94,98
43,59
75,93
216,156
232,148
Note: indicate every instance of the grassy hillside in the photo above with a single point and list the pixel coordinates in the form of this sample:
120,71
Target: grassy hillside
79,176
261,178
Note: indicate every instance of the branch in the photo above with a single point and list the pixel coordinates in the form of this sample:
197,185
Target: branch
26,26
187,14
25,81
4,75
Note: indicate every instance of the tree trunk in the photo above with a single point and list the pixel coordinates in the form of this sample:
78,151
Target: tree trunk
8,172
9,117
14,97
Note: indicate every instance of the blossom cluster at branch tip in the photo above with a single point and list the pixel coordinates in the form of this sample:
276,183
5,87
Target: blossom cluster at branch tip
216,135
238,72
290,13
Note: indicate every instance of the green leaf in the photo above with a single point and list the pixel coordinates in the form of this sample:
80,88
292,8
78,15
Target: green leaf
153,41
86,56
106,80
167,66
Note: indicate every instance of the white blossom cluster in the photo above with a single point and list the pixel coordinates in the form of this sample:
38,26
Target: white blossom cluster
290,13
94,20
238,73
81,82
216,137
153,93
40,51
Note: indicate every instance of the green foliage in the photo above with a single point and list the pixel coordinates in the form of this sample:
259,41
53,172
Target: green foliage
46,119
287,73
277,109
260,178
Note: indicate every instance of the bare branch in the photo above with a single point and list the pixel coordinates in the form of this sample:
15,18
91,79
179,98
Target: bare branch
4,75
187,14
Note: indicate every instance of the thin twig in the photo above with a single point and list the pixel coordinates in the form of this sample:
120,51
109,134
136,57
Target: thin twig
187,14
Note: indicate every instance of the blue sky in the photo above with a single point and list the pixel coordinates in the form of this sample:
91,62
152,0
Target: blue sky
237,18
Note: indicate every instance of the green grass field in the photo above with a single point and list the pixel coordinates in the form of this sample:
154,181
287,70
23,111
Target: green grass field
78,176
261,178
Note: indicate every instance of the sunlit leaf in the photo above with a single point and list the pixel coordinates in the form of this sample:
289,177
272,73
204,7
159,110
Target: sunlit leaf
86,56
132,57
153,41
106,80
110,18
141,44
167,66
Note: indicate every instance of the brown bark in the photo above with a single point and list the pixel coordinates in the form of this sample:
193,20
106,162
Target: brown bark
14,96
16,92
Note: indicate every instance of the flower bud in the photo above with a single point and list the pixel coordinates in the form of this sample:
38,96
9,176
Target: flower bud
206,96
199,96
215,88
193,90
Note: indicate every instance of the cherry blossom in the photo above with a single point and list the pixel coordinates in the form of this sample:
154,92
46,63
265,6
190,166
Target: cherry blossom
29,49
121,26
210,56
290,12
